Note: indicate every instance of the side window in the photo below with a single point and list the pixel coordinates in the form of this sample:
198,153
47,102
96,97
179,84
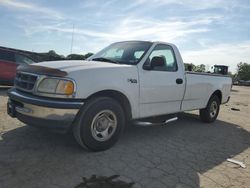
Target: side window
167,53
7,56
21,59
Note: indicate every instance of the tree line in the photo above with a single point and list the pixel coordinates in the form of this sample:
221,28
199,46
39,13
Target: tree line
53,56
195,68
242,72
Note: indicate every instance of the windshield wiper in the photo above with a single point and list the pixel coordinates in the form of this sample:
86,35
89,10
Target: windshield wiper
105,59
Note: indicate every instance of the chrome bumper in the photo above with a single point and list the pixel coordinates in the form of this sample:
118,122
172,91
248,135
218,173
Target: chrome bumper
46,112
43,112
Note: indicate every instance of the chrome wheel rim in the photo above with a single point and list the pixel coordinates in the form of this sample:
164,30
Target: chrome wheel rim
213,109
103,125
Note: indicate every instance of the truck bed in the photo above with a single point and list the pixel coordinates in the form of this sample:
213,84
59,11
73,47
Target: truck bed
200,86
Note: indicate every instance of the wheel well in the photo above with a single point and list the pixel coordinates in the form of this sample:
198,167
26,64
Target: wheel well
218,94
119,97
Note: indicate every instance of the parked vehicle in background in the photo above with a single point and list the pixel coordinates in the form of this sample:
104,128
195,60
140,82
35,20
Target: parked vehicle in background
126,81
221,69
9,61
244,82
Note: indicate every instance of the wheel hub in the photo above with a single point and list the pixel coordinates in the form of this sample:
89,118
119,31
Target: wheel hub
213,109
104,125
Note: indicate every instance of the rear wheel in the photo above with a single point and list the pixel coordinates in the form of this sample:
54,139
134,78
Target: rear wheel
210,113
99,124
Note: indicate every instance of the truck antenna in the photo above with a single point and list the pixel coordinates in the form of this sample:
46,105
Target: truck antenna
72,38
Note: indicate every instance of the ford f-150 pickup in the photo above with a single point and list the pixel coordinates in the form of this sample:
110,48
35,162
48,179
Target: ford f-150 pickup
125,81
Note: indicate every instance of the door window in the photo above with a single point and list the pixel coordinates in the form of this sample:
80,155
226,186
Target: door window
167,53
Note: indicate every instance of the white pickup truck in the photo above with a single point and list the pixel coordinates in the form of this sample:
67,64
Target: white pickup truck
125,81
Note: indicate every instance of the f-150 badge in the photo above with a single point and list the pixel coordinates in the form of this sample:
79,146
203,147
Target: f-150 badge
132,81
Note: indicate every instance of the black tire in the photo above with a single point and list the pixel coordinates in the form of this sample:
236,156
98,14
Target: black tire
83,131
206,114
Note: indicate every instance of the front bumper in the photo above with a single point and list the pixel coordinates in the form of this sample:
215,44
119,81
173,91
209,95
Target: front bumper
55,114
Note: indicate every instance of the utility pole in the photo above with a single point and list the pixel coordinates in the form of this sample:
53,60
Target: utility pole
72,38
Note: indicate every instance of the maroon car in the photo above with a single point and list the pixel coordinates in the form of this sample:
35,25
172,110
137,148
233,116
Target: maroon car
9,60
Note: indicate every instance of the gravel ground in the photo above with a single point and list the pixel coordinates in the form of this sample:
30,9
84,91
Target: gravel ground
186,153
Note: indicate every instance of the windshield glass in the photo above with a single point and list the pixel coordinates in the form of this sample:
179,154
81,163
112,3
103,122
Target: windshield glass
123,52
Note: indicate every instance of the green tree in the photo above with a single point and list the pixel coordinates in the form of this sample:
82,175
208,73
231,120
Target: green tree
88,55
189,67
51,56
78,56
243,71
200,68
75,57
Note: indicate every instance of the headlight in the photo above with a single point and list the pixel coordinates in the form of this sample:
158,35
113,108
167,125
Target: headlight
56,86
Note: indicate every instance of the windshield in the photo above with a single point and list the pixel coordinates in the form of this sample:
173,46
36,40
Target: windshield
123,52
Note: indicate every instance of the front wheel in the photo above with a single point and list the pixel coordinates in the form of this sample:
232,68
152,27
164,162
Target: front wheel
210,113
99,124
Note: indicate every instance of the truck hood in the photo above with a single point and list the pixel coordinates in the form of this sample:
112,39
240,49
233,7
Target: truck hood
70,65
64,68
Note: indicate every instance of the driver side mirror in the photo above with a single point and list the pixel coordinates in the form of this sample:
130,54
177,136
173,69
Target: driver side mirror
156,61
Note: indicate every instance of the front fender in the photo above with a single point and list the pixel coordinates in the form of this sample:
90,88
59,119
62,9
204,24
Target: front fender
92,81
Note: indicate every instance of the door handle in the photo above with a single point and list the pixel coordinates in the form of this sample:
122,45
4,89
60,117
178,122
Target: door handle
179,81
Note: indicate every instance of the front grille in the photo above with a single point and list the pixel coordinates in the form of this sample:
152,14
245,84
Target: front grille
25,81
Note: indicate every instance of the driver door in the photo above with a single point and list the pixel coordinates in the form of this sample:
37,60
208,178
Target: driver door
161,88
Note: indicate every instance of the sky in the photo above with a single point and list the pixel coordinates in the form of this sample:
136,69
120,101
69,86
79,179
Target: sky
206,32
